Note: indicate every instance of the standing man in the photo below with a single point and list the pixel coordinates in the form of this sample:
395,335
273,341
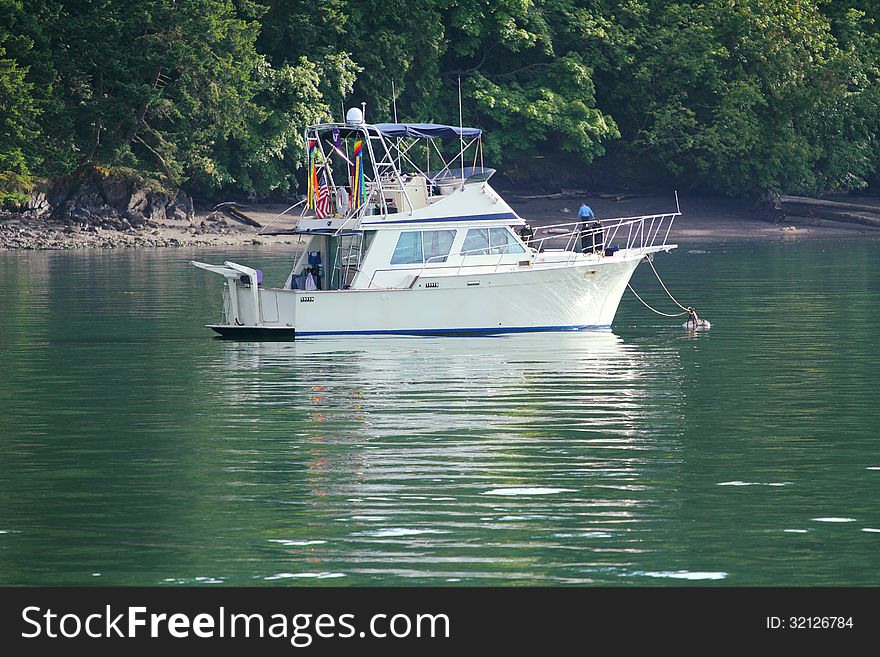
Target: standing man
591,241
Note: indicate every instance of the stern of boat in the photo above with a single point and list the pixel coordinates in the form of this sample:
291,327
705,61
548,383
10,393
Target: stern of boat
249,311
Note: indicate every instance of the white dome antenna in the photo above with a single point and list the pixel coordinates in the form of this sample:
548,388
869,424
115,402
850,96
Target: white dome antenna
354,116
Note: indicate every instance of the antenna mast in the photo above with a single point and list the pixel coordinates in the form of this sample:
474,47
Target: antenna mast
394,104
461,128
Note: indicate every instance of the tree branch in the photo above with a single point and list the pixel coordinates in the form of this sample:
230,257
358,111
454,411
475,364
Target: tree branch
161,159
142,113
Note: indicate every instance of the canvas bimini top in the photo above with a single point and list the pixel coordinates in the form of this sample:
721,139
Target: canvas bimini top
398,130
427,131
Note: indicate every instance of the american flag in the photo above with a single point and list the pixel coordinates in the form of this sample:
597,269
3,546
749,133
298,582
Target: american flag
322,206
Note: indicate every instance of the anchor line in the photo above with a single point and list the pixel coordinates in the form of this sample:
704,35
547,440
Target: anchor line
645,304
663,285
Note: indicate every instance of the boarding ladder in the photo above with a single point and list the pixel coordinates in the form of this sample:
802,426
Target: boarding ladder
348,260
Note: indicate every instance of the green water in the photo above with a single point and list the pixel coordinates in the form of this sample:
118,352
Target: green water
136,449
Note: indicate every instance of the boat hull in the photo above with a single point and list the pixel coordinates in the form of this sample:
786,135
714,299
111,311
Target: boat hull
564,298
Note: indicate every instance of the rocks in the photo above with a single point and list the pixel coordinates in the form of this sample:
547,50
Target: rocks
216,223
155,209
78,214
137,202
63,237
116,192
98,196
38,206
182,206
114,233
99,209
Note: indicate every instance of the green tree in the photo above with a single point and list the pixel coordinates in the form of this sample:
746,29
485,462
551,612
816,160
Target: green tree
528,95
735,96
17,129
534,91
19,110
739,96
268,153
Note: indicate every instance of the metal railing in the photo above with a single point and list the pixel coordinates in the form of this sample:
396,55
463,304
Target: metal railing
640,233
634,233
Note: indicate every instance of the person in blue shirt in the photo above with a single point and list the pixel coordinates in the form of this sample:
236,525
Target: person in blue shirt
590,229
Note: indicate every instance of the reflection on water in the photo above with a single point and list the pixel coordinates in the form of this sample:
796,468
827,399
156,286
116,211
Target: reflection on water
460,458
136,449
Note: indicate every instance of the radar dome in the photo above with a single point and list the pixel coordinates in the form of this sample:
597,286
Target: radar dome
354,115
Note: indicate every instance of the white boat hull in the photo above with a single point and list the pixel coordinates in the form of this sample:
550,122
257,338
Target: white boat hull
571,297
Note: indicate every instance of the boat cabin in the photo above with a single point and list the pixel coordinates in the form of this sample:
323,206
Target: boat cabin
378,216
383,258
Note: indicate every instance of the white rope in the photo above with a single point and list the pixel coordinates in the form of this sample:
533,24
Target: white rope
663,285
644,303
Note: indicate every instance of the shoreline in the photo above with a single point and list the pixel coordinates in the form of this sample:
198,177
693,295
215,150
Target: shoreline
206,229
703,219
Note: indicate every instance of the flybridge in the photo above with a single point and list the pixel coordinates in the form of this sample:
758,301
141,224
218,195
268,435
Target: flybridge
357,169
362,172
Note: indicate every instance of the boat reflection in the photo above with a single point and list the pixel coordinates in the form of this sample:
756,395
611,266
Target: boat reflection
510,386
407,448
457,400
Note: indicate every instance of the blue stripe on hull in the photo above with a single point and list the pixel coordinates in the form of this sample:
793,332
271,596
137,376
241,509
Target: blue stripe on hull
461,331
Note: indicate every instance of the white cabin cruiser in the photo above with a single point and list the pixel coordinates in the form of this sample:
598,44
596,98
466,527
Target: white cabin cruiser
396,248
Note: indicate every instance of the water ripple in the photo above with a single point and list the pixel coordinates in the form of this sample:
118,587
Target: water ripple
136,447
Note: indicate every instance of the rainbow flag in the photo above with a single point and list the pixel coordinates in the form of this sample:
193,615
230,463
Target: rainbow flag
358,188
313,173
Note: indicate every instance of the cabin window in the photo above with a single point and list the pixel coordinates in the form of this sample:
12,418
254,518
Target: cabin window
408,249
476,242
437,244
418,246
369,235
502,241
485,241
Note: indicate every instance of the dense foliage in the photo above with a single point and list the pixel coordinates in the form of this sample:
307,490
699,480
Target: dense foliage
733,96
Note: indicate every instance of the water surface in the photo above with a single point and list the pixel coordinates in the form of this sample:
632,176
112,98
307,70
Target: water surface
135,449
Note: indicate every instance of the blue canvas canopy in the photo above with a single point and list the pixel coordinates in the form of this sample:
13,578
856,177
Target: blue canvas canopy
418,130
427,131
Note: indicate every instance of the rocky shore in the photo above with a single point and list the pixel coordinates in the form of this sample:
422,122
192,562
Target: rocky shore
28,236
95,210
206,230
